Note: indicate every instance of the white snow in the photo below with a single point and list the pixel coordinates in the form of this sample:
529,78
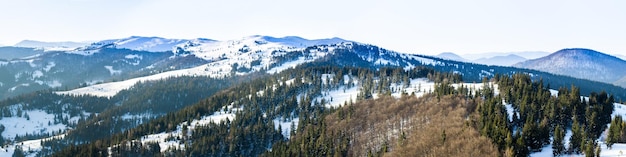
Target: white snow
82,52
509,110
285,125
29,146
31,62
419,87
554,92
49,66
37,74
215,69
224,55
113,71
37,124
54,84
336,98
424,61
20,85
382,61
618,149
58,48
287,65
165,144
133,56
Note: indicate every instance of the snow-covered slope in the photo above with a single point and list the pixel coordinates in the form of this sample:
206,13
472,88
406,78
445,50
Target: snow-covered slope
205,47
228,57
152,44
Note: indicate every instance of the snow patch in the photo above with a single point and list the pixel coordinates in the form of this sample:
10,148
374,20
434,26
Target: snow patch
40,122
133,56
49,66
27,146
285,126
37,74
113,71
20,85
287,65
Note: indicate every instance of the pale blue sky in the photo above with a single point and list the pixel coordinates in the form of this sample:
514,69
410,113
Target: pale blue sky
412,26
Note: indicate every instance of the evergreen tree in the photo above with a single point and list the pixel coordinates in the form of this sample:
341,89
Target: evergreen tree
558,147
576,141
18,152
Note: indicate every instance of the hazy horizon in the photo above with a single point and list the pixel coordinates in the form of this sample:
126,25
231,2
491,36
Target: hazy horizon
425,27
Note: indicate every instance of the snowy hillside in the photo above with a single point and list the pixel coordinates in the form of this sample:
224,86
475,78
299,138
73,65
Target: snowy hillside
204,48
153,44
229,57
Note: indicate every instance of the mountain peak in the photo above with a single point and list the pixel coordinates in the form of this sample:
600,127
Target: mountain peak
451,56
581,63
584,53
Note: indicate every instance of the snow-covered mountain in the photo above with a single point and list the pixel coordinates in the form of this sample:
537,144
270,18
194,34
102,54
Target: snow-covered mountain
580,63
507,60
121,59
204,45
152,44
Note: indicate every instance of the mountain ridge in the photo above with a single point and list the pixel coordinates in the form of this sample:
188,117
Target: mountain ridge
581,63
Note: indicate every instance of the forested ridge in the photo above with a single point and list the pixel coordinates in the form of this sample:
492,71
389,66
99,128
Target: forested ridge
253,126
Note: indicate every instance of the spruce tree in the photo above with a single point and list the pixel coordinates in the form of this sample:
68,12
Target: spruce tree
575,142
558,147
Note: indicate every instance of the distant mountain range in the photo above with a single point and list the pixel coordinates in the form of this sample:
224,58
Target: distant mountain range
43,44
507,60
500,59
525,54
581,63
